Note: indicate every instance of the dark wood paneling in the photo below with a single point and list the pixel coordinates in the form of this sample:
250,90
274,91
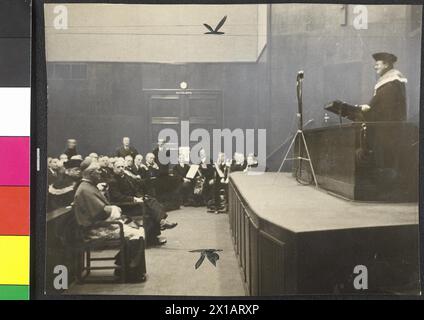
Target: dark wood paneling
371,162
277,261
254,259
272,271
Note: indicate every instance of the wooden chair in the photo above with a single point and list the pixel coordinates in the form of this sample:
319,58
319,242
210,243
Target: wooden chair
84,248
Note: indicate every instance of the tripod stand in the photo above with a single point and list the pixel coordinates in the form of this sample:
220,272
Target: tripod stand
299,136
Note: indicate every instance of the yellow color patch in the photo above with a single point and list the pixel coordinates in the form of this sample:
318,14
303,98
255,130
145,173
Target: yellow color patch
14,260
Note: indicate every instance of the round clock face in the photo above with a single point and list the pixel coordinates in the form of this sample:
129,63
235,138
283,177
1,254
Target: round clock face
183,85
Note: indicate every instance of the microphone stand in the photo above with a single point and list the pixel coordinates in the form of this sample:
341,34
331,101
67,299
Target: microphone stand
299,136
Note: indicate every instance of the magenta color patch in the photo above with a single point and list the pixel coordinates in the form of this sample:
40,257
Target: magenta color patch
14,161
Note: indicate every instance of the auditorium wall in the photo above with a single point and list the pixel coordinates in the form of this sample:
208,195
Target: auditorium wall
99,103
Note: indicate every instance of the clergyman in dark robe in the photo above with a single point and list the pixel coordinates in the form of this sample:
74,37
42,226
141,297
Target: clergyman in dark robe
91,206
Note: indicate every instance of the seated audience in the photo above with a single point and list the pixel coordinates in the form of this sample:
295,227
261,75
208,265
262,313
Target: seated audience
126,149
91,207
153,180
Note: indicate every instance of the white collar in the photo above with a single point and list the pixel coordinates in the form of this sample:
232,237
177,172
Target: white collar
390,76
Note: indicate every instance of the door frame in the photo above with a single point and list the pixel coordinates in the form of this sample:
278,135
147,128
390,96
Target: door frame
147,93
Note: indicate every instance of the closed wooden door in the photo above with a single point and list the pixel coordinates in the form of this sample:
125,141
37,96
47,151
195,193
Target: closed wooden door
167,108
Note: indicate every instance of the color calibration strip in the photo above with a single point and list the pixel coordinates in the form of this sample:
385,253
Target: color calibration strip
14,193
15,109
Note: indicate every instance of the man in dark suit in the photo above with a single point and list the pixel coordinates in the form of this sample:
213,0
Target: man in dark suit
389,100
126,149
180,171
106,171
161,148
152,167
206,171
138,168
165,186
134,202
221,177
52,168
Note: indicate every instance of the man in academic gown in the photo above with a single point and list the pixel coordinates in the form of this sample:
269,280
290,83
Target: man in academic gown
389,100
387,104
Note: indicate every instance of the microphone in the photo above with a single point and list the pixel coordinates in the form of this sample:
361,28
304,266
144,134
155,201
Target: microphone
300,75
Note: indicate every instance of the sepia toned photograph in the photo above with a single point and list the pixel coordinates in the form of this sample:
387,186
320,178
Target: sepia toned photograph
232,150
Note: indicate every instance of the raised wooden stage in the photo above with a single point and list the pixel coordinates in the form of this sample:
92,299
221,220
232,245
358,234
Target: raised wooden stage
297,239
